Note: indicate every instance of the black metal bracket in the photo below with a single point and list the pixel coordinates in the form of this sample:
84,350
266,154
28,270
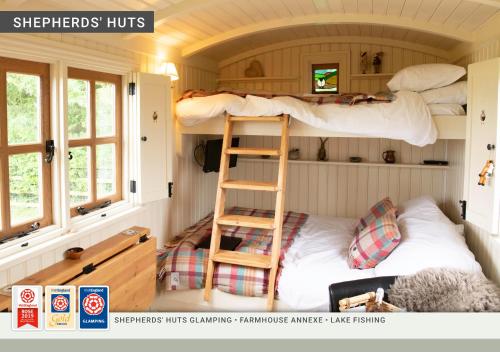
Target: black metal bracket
463,206
85,211
170,189
49,151
131,88
133,186
87,269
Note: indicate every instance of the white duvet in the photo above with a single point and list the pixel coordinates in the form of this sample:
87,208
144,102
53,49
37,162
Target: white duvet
407,118
318,256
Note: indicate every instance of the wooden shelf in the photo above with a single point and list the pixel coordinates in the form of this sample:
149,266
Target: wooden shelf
347,163
241,79
370,75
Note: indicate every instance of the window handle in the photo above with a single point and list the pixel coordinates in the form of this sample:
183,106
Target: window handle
70,156
49,151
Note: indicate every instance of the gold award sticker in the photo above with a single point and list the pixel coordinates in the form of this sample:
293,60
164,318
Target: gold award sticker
60,307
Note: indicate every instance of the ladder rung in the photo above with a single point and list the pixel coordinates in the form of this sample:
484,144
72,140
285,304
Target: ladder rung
250,185
246,221
253,151
256,118
242,258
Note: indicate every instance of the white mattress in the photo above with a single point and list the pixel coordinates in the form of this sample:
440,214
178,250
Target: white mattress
407,118
318,257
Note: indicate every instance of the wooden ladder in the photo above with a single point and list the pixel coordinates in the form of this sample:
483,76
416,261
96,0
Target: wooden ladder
217,255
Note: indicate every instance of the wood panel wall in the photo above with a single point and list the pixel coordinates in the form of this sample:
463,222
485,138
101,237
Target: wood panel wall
339,190
282,65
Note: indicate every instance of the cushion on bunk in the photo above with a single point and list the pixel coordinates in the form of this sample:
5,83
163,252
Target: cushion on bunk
455,93
374,243
418,78
378,210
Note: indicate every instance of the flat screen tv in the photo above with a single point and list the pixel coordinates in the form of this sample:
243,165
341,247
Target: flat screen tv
213,150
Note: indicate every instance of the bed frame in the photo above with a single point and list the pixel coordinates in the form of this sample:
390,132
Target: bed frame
449,127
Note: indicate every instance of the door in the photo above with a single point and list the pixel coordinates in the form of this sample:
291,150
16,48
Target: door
482,131
153,106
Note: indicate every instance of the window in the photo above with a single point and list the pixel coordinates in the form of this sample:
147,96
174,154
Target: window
325,78
94,138
25,175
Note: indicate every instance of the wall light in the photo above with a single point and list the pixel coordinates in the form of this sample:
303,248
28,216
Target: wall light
171,71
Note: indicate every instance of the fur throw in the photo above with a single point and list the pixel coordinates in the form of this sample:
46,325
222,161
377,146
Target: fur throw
445,290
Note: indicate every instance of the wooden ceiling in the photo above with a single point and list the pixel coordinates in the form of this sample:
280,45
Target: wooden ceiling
220,28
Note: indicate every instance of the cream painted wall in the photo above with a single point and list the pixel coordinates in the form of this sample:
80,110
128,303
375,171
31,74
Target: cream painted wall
281,63
163,217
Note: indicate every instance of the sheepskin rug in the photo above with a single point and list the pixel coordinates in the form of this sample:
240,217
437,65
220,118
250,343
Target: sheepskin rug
445,290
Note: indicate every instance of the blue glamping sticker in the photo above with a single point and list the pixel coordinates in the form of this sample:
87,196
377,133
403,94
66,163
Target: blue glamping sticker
94,307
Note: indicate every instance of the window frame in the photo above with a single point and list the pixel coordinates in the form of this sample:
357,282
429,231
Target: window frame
93,141
43,71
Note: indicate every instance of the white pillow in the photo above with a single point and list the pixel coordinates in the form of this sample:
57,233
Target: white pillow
455,93
446,109
423,77
424,208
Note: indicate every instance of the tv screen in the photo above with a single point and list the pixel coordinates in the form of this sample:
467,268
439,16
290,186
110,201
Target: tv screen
325,78
213,151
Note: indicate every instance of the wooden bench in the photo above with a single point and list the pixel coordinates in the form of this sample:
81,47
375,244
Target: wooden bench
125,262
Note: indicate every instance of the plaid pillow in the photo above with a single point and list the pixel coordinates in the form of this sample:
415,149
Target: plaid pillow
378,210
374,243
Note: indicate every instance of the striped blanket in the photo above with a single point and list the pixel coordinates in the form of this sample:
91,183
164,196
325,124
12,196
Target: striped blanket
182,266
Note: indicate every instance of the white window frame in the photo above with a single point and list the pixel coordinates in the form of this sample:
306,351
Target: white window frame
38,49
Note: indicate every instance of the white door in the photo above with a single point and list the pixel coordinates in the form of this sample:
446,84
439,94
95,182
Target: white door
483,202
153,106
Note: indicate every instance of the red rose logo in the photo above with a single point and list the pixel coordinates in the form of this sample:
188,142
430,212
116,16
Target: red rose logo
60,303
27,295
93,304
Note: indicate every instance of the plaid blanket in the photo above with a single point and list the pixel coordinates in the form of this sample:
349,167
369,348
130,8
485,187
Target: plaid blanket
181,266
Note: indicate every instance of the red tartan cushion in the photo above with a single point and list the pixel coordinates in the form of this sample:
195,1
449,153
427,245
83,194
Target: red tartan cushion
374,243
378,210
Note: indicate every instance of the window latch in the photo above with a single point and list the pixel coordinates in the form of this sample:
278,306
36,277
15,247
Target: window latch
49,151
85,211
33,227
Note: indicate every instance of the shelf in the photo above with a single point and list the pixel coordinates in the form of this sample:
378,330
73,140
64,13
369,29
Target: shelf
370,75
347,163
240,79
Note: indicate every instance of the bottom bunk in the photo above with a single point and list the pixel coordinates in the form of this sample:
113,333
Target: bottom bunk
315,254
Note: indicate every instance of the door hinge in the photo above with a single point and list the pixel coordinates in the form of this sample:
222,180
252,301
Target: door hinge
170,189
131,88
133,186
463,206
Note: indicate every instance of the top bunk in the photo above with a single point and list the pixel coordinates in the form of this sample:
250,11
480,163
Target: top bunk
422,103
448,127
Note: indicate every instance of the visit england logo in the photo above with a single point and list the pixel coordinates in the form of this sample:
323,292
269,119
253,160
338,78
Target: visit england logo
93,304
60,307
94,307
60,303
27,295
27,307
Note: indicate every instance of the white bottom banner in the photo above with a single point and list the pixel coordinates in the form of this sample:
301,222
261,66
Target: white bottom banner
280,326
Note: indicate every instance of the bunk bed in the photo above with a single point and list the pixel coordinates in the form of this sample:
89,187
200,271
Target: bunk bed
315,250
